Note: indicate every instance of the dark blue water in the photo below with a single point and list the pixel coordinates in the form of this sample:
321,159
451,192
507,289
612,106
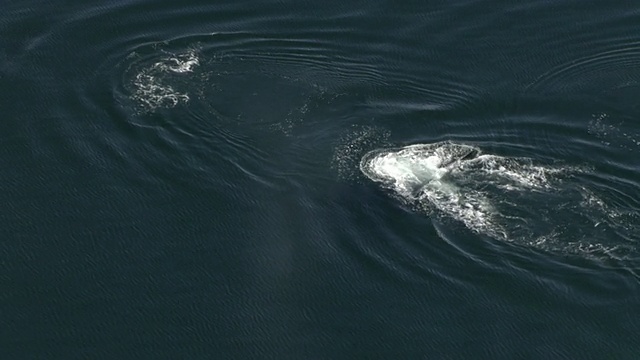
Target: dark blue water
319,180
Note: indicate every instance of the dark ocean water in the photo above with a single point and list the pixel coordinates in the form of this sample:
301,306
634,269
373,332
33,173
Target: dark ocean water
319,180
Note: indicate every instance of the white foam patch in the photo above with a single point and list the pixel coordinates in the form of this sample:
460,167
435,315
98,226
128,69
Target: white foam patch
507,198
181,63
151,88
424,174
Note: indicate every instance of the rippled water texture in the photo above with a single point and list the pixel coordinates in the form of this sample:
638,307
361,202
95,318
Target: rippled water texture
323,180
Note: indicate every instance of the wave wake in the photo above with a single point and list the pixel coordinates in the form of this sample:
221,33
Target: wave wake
507,198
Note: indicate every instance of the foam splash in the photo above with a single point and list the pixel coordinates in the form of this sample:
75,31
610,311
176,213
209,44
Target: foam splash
151,89
425,174
507,198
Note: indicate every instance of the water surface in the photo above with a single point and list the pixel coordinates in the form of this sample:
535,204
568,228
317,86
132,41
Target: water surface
283,179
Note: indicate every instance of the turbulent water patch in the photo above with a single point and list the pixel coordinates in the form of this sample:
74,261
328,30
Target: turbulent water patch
215,80
353,145
150,87
550,206
614,133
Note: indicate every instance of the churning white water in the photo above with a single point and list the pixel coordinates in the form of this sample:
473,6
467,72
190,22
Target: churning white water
507,198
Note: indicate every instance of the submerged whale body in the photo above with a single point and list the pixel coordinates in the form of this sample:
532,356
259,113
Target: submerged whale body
459,181
416,164
429,175
470,155
508,198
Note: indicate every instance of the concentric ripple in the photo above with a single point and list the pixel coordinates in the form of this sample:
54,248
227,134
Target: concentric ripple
609,68
550,206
